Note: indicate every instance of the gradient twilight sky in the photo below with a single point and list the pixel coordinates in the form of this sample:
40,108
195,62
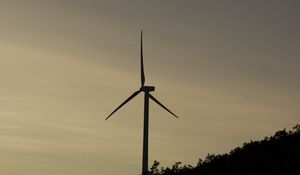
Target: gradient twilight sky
230,70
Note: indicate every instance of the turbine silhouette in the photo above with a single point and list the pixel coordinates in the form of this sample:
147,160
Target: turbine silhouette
146,90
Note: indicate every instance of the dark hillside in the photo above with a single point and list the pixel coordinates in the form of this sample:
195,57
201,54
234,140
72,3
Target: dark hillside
276,155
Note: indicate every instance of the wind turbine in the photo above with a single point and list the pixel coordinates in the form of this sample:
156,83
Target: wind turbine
146,90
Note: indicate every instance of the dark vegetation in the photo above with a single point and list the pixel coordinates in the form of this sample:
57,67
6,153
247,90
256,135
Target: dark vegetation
276,155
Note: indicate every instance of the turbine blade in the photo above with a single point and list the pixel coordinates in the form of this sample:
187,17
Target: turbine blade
126,101
160,104
142,62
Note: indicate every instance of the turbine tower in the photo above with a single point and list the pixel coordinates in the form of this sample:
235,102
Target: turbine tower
147,95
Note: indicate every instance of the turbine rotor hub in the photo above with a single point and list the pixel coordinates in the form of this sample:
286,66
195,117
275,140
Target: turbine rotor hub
147,88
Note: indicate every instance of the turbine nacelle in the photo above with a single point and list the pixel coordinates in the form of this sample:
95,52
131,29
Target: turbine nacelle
147,88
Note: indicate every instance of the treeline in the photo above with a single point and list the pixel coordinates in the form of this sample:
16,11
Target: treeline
276,155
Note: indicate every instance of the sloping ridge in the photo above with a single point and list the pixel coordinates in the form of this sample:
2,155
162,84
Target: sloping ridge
275,155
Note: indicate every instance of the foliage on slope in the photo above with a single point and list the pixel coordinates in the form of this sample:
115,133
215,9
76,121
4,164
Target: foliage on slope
276,155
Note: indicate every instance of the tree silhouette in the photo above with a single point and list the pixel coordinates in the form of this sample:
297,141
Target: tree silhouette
276,155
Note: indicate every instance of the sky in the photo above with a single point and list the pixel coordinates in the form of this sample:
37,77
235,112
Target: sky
229,70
